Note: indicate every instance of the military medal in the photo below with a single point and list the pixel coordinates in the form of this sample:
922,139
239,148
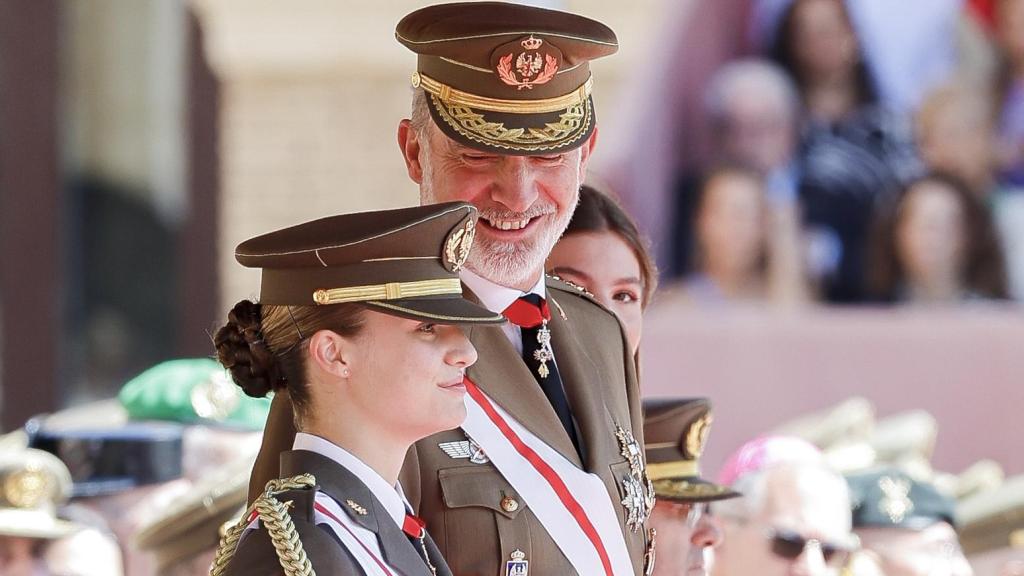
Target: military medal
518,565
638,488
544,353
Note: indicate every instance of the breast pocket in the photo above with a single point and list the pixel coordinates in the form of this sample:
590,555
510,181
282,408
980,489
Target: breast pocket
485,520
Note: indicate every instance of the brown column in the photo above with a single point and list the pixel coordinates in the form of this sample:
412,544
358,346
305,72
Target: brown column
199,284
31,292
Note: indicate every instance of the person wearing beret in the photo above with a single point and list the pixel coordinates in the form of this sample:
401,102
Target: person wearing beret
906,524
360,321
675,431
546,476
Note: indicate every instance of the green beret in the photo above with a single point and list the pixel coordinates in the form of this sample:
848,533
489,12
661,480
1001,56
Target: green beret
192,390
888,497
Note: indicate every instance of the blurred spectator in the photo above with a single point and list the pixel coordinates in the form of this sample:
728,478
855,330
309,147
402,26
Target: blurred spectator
816,44
955,136
753,108
793,518
907,524
853,151
603,252
937,245
744,251
1010,40
675,433
663,131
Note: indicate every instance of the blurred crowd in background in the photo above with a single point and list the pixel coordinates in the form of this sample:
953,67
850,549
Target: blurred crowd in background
776,152
838,152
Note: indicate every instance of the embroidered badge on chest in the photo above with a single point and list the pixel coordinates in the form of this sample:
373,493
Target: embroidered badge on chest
638,488
465,449
518,565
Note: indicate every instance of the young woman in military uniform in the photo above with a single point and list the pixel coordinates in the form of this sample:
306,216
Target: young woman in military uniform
359,324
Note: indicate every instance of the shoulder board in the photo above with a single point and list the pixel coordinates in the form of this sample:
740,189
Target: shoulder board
557,282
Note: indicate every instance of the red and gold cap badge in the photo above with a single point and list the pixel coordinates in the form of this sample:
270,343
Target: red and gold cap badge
527,62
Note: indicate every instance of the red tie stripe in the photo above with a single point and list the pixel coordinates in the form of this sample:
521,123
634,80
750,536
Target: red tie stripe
414,526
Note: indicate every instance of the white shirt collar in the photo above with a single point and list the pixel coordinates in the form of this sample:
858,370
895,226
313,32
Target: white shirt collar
495,297
391,497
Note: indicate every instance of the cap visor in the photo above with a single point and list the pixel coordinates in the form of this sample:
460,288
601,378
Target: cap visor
515,134
438,310
692,489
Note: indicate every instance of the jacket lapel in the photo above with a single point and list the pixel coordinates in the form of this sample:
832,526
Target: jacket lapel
581,381
343,486
501,373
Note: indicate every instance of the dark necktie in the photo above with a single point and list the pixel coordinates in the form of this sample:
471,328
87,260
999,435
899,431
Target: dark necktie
531,314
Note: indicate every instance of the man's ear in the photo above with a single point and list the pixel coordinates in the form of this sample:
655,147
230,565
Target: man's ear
329,352
585,152
409,144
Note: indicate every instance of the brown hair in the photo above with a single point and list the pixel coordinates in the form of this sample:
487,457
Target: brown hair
784,53
598,212
982,270
263,346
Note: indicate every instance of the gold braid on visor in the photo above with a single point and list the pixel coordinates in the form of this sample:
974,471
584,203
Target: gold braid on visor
454,97
679,468
389,291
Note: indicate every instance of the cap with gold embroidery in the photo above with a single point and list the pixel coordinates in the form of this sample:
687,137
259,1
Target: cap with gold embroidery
675,432
402,262
33,484
507,78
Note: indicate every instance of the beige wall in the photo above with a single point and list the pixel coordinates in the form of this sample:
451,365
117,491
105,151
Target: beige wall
312,92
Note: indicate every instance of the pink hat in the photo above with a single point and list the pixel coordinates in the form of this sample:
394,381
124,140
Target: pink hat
766,451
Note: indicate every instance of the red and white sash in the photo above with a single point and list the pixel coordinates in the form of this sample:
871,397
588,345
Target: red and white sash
573,505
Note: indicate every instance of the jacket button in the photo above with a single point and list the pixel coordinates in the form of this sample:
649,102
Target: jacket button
509,504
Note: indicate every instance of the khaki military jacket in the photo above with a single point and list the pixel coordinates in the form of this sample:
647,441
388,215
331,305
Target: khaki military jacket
467,506
255,554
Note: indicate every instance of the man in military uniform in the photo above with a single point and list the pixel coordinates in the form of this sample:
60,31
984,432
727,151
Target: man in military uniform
907,524
675,432
547,474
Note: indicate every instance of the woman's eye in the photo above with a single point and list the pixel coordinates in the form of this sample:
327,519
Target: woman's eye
625,296
428,328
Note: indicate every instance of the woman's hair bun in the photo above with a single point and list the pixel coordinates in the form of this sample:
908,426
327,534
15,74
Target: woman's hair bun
241,349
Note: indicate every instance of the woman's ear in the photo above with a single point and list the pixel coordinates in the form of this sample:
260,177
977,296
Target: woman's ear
329,352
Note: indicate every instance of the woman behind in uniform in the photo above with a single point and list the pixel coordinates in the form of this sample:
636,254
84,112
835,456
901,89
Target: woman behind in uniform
603,252
359,323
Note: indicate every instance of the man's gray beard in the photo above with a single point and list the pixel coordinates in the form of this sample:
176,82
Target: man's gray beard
506,264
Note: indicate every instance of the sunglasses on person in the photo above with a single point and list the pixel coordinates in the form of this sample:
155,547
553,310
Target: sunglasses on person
790,545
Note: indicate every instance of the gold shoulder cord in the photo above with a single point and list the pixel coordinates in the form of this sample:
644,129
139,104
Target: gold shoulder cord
278,524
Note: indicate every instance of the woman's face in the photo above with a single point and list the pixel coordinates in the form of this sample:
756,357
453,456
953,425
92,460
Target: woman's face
604,264
930,233
731,225
407,374
823,43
